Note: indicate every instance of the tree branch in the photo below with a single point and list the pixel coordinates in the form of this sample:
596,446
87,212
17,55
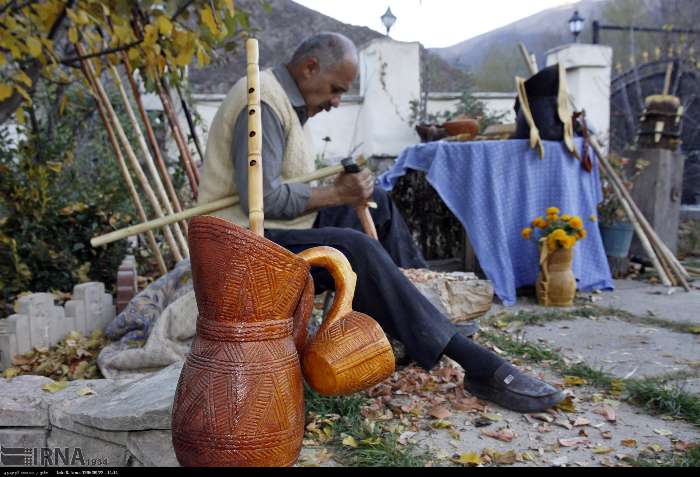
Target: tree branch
181,9
73,59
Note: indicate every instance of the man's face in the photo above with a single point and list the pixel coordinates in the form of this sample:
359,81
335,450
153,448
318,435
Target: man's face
322,89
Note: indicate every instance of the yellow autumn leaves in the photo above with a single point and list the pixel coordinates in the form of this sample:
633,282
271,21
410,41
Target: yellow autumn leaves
556,231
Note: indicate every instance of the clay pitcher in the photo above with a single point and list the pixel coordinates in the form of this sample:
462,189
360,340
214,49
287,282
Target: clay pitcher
556,284
239,400
350,352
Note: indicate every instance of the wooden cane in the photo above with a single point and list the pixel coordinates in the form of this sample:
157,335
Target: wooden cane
255,174
130,154
153,245
155,148
148,159
205,208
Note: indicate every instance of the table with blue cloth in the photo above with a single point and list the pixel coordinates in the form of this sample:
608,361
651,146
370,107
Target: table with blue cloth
496,188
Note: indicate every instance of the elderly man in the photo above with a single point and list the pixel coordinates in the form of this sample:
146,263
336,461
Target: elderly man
298,216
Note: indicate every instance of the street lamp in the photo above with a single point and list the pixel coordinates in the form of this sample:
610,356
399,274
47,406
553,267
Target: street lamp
576,25
388,19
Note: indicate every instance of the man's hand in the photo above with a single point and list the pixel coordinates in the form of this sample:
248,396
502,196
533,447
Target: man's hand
355,189
348,189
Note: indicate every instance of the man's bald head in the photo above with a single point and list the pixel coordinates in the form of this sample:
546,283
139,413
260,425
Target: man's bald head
328,48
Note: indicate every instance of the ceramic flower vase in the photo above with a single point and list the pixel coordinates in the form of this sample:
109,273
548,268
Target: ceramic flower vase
556,284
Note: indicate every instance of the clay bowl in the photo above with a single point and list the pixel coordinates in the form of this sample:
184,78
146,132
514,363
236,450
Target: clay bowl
462,125
430,132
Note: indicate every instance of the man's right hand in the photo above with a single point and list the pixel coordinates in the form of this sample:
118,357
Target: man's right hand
351,189
355,188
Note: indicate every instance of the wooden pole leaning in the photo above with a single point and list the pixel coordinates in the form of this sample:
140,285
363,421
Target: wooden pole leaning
256,214
206,208
152,140
130,154
148,159
185,156
634,214
153,245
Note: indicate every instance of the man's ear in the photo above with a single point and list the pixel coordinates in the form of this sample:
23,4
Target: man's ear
311,67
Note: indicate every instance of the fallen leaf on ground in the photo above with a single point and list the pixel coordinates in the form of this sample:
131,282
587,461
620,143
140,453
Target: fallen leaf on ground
564,423
86,391
602,450
439,412
468,404
581,421
528,456
567,405
504,458
606,434
349,441
655,448
442,424
11,373
55,386
574,441
573,381
606,411
543,417
467,458
629,442
663,432
505,434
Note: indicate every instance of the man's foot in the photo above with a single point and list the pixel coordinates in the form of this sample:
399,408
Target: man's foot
513,389
467,329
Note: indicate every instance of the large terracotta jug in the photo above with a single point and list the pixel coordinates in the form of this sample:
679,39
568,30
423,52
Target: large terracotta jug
239,400
556,284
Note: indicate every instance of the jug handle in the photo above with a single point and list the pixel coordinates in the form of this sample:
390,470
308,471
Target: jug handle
345,279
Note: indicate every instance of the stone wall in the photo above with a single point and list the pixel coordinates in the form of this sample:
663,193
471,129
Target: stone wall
39,323
107,422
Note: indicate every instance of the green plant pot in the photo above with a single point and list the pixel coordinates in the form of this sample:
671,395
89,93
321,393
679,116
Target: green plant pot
617,238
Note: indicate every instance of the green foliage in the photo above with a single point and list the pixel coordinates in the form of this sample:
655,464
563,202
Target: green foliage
60,188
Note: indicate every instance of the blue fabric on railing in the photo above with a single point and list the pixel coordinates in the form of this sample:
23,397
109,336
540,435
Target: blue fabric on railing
495,188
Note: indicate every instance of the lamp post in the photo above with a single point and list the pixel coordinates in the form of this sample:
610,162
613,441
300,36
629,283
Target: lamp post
388,19
576,25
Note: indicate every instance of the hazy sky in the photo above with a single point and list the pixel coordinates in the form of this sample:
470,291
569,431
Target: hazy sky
435,23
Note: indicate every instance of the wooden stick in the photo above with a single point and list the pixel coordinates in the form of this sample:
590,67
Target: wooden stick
175,126
531,66
190,123
149,160
204,209
155,148
367,221
619,189
667,80
124,171
669,257
130,154
186,164
256,215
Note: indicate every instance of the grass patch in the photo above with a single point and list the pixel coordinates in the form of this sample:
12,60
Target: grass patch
690,458
662,398
375,446
652,394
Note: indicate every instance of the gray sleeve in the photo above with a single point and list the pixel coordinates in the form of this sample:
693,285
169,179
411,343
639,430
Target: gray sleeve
281,201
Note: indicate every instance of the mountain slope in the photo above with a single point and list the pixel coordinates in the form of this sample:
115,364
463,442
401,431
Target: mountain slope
281,29
494,58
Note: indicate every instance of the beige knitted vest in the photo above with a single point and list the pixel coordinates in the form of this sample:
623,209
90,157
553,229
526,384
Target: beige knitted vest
217,179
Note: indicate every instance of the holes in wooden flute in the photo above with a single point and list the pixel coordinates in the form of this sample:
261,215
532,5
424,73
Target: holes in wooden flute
252,163
251,112
252,134
251,90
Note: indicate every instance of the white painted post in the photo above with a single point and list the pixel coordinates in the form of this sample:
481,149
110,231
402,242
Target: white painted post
588,70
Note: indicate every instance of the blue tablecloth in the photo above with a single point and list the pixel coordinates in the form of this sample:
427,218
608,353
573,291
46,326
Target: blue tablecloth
495,188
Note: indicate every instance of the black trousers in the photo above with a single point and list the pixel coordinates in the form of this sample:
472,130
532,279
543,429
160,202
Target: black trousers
383,292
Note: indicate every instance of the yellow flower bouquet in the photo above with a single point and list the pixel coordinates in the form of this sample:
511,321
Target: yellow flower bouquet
556,230
556,284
